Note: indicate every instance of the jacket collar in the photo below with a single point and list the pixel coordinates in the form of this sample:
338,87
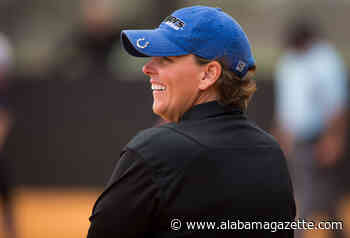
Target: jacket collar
209,109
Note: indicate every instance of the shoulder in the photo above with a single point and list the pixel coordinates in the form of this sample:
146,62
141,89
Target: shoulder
159,144
155,136
265,137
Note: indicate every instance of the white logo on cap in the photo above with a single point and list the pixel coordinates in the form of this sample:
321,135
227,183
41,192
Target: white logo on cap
174,22
140,44
240,66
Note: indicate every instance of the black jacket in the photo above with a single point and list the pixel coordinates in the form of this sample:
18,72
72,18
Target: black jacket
212,166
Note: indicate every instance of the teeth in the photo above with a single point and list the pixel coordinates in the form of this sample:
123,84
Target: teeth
157,87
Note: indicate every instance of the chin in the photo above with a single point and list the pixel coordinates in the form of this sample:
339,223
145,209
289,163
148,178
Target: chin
157,110
160,113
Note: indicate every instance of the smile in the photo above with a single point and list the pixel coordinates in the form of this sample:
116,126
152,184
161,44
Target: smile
155,87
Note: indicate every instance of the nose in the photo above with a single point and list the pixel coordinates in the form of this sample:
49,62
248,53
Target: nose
149,68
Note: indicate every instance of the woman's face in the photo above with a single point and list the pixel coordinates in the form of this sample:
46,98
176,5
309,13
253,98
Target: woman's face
175,81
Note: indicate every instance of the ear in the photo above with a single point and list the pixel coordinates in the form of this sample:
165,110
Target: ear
211,73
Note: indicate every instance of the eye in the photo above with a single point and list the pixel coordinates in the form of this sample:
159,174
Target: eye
165,58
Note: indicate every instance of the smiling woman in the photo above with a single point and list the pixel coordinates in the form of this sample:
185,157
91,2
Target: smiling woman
210,161
183,84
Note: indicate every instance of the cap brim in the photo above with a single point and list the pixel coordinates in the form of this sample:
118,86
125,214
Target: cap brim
146,43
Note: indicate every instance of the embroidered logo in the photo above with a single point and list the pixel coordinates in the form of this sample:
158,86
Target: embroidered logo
240,66
141,43
174,22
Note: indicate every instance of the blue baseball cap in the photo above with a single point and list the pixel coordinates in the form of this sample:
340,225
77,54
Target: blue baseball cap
204,31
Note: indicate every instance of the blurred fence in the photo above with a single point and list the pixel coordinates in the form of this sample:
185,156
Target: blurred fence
71,132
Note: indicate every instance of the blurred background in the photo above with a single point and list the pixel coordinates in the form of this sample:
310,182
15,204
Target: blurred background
70,99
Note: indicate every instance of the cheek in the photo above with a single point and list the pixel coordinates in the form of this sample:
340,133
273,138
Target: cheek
182,86
181,96
188,85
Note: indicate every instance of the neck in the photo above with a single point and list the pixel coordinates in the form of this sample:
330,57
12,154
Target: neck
205,96
202,97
